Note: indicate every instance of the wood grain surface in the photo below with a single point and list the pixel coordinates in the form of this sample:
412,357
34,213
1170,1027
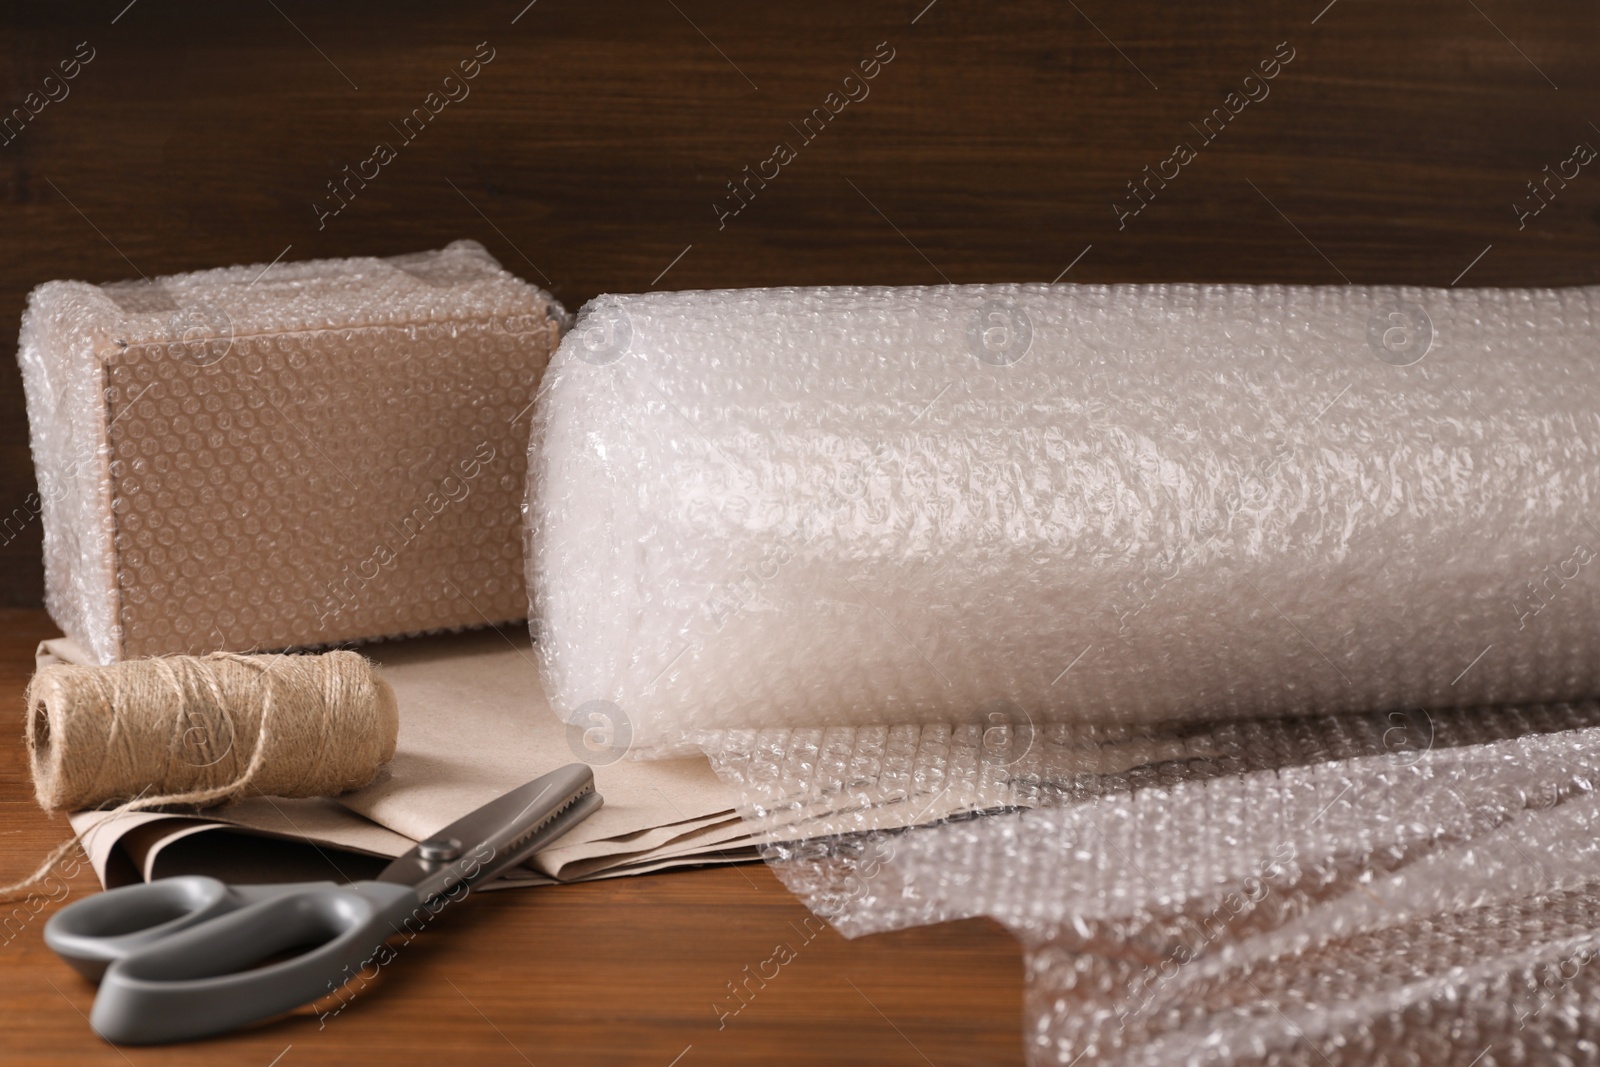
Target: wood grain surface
629,972
595,150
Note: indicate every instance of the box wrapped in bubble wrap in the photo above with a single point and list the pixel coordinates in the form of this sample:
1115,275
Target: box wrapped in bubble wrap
262,458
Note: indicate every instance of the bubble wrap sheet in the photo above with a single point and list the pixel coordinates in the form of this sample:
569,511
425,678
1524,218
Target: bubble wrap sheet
1127,601
298,454
1382,889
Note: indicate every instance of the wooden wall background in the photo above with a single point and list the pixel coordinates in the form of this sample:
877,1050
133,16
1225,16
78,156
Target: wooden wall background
590,152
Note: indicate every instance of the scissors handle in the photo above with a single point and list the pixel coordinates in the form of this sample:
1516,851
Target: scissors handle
202,978
95,932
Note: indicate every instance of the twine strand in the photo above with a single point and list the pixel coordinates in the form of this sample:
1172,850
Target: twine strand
203,730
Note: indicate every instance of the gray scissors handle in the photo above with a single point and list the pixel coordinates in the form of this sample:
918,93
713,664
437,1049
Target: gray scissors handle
95,932
193,977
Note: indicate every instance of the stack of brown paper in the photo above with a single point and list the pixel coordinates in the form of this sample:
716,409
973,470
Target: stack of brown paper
473,724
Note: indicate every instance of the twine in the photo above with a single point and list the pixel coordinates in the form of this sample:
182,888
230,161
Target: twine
203,730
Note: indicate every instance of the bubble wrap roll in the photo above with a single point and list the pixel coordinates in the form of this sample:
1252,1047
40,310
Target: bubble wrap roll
777,508
281,455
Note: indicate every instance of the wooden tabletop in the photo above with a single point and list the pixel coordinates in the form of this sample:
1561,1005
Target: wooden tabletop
628,971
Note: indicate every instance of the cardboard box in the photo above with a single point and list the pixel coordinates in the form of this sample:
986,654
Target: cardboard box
257,458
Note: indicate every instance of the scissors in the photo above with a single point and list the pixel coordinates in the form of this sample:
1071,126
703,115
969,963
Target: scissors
178,958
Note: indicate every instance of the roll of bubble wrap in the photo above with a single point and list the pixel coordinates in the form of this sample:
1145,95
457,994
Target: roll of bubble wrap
780,508
263,457
1153,622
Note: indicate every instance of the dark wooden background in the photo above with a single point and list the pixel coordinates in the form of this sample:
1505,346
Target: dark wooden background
592,148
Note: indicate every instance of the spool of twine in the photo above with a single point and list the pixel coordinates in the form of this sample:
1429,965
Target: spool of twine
206,729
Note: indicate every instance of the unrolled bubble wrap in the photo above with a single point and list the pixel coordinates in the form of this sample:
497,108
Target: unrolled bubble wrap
298,454
1415,905
1225,643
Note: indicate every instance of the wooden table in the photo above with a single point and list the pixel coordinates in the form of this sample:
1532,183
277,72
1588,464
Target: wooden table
619,972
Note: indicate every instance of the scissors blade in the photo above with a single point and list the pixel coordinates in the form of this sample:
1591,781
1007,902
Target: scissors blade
500,834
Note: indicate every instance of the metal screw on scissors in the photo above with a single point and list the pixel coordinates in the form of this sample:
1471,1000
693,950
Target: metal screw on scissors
177,958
